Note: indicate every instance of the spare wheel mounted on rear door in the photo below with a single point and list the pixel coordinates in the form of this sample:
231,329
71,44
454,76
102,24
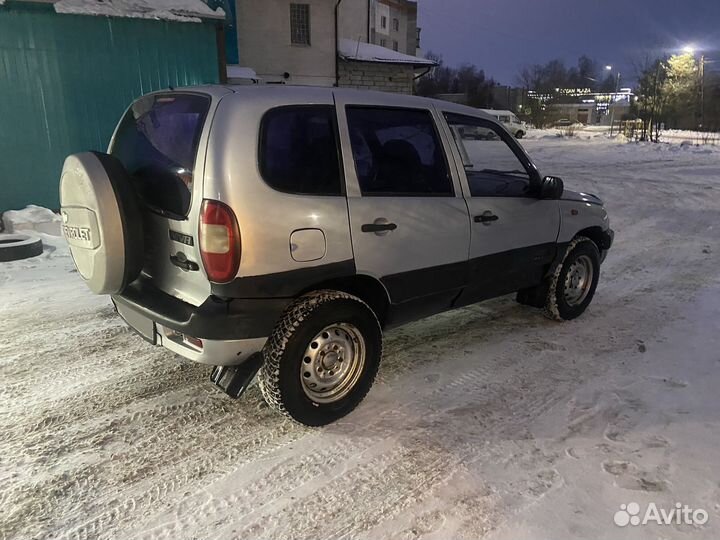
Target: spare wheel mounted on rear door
101,221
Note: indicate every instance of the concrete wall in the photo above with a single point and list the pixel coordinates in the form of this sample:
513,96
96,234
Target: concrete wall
264,42
374,76
264,39
354,20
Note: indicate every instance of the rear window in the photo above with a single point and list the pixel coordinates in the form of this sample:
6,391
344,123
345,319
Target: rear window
299,151
157,142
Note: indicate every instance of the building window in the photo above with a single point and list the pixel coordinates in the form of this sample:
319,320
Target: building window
383,22
300,24
396,25
383,42
417,37
396,46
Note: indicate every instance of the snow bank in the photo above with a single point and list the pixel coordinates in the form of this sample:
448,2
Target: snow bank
32,218
169,10
587,134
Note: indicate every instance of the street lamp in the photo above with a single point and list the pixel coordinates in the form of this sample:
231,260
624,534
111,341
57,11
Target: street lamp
689,49
613,98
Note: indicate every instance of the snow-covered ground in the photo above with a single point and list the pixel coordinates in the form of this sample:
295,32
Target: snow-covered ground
489,422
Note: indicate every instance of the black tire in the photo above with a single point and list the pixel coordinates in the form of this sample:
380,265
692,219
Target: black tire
14,247
557,306
285,352
519,134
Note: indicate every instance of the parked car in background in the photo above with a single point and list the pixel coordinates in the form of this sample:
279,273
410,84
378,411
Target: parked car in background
510,121
280,230
565,123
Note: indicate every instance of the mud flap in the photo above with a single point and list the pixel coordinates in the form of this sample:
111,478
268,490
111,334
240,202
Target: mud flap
234,380
534,296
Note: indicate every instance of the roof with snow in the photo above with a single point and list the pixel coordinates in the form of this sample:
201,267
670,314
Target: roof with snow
357,51
240,72
169,10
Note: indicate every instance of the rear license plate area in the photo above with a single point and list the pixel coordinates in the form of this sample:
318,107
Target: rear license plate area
142,325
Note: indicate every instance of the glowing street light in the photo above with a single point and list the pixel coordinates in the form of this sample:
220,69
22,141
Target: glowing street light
690,49
614,98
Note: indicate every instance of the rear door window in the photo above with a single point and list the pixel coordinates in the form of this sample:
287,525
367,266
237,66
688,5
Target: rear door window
299,151
157,142
398,152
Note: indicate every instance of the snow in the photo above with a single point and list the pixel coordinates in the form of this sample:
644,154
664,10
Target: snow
172,10
239,72
487,422
32,218
359,51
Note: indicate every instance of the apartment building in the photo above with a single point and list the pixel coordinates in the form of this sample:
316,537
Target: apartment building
394,25
351,43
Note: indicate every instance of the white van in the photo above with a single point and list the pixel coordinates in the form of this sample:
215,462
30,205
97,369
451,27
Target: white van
511,122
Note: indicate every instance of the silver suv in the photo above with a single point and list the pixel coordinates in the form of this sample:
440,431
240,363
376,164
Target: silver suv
277,231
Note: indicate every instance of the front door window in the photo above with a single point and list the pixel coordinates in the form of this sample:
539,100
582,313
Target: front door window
492,167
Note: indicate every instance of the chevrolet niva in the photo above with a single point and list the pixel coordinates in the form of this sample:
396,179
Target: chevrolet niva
277,231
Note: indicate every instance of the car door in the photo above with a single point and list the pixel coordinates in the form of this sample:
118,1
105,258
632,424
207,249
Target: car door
408,219
514,232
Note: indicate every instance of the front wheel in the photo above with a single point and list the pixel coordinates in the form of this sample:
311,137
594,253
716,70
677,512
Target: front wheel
573,284
322,358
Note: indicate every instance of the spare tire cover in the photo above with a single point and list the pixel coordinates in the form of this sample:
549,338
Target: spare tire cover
101,221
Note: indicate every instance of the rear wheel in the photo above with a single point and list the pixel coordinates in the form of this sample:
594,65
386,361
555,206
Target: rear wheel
322,357
519,134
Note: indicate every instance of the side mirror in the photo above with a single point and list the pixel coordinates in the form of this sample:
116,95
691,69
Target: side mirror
552,188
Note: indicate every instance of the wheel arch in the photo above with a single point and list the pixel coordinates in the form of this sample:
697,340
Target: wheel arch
596,234
367,288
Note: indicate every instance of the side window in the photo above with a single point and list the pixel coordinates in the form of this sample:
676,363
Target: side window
299,152
398,152
492,167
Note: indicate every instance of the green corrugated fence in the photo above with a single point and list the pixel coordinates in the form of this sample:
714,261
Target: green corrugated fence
65,81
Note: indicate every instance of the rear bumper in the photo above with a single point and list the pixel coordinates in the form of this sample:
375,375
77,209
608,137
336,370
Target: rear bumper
230,330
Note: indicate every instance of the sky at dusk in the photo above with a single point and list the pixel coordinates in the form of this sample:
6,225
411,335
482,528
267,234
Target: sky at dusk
501,36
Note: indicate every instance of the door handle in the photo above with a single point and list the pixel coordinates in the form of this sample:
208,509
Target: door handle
487,218
378,227
181,262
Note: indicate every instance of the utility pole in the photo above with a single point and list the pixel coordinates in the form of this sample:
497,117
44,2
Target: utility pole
702,92
612,108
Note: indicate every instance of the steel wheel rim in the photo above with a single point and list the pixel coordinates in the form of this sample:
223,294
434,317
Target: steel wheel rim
578,280
333,362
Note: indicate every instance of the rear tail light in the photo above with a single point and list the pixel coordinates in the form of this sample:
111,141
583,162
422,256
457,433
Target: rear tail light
219,241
